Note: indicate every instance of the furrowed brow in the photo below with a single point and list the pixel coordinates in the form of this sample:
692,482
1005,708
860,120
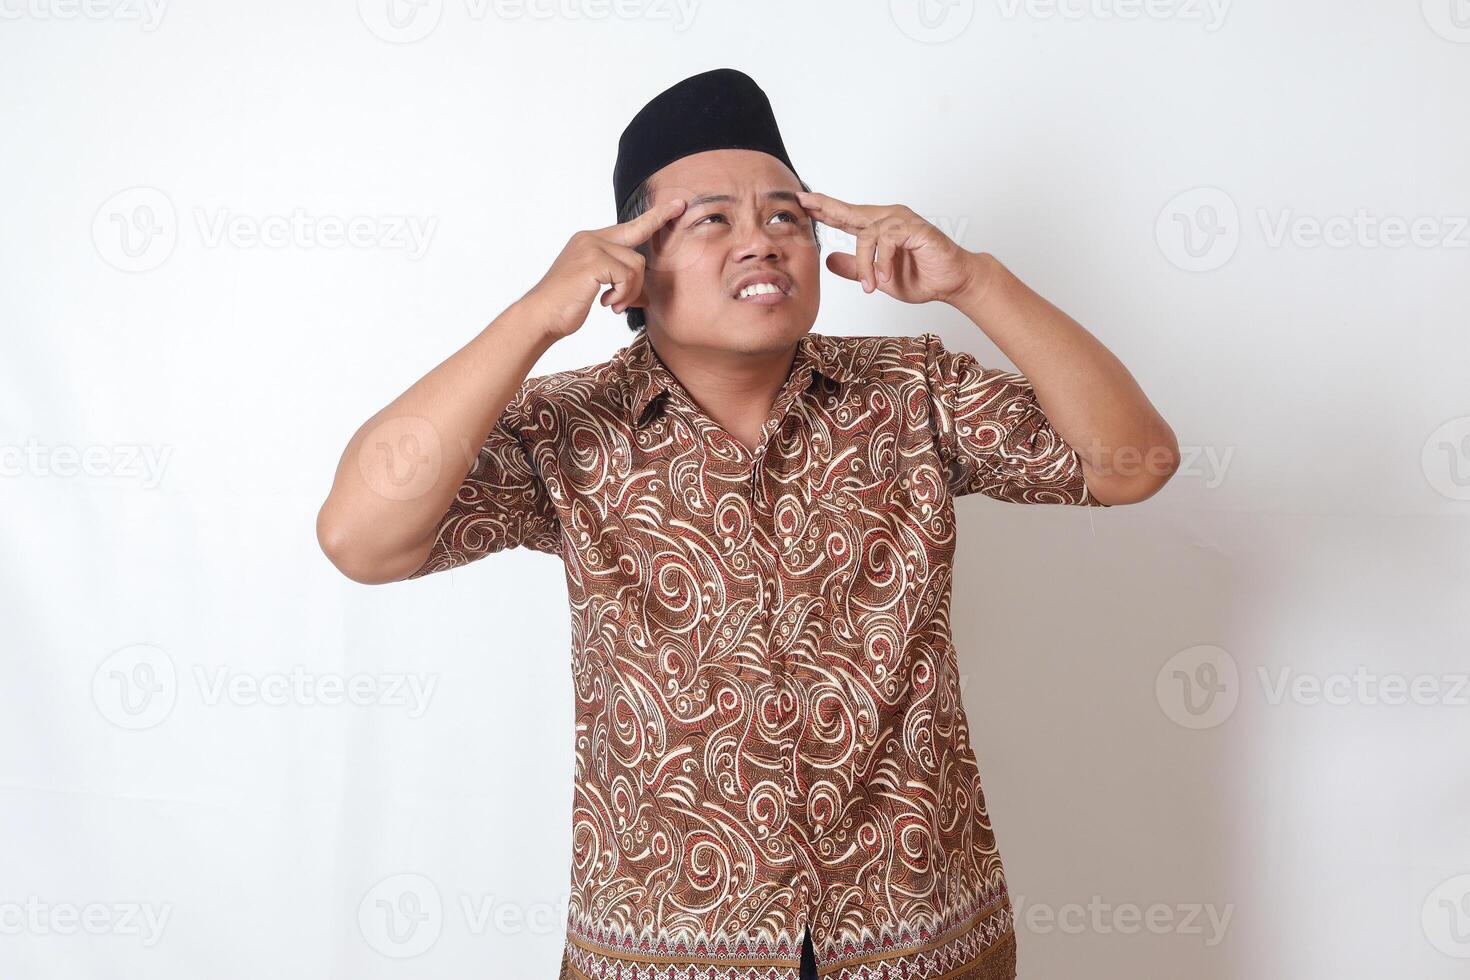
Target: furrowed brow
710,199
727,199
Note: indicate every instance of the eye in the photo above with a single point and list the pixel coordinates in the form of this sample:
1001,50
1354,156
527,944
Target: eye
713,214
794,218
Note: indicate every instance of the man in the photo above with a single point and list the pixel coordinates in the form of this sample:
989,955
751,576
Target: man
757,525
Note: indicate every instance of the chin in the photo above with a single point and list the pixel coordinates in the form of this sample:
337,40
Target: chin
768,329
751,330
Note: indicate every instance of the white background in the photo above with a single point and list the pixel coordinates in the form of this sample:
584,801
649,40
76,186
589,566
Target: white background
1139,164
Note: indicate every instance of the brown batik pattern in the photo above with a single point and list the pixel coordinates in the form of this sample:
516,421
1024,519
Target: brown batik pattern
769,731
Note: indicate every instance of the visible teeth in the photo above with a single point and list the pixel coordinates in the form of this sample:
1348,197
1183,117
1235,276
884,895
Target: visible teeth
756,289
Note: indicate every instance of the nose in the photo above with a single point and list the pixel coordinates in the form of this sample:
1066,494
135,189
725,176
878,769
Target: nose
759,243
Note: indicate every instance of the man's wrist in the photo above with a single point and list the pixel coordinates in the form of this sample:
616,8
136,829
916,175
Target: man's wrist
985,269
526,317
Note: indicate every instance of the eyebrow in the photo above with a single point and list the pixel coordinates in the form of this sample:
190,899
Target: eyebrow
727,199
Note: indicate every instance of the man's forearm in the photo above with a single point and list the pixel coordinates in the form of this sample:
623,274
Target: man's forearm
402,468
1090,398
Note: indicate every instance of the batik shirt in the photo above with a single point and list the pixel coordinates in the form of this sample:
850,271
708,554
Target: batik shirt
769,732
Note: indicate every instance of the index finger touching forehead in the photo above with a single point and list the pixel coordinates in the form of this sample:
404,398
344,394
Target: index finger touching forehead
661,192
640,229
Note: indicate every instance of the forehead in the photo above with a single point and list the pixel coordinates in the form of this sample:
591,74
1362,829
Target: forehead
738,172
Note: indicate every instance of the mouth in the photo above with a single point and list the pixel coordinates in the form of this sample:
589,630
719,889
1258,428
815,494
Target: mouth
763,289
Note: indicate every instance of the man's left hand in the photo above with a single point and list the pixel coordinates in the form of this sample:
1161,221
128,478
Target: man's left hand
898,252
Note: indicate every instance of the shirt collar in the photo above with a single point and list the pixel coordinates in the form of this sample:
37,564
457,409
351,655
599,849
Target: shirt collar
647,377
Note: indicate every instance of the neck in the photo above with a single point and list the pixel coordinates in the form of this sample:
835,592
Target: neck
735,388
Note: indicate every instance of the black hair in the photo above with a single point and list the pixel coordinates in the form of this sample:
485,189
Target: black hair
636,204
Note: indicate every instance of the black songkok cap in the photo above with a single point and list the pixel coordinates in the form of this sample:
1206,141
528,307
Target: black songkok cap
723,109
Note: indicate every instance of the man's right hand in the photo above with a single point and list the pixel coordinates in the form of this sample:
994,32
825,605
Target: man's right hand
376,529
591,260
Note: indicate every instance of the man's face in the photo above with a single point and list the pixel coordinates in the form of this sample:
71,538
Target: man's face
752,228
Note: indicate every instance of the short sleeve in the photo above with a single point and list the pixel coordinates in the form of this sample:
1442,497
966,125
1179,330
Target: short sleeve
502,503
992,435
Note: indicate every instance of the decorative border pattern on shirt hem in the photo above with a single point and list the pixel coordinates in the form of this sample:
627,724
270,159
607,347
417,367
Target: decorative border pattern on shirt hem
951,955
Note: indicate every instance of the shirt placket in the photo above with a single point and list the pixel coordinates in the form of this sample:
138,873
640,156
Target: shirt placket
775,671
765,546
759,665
